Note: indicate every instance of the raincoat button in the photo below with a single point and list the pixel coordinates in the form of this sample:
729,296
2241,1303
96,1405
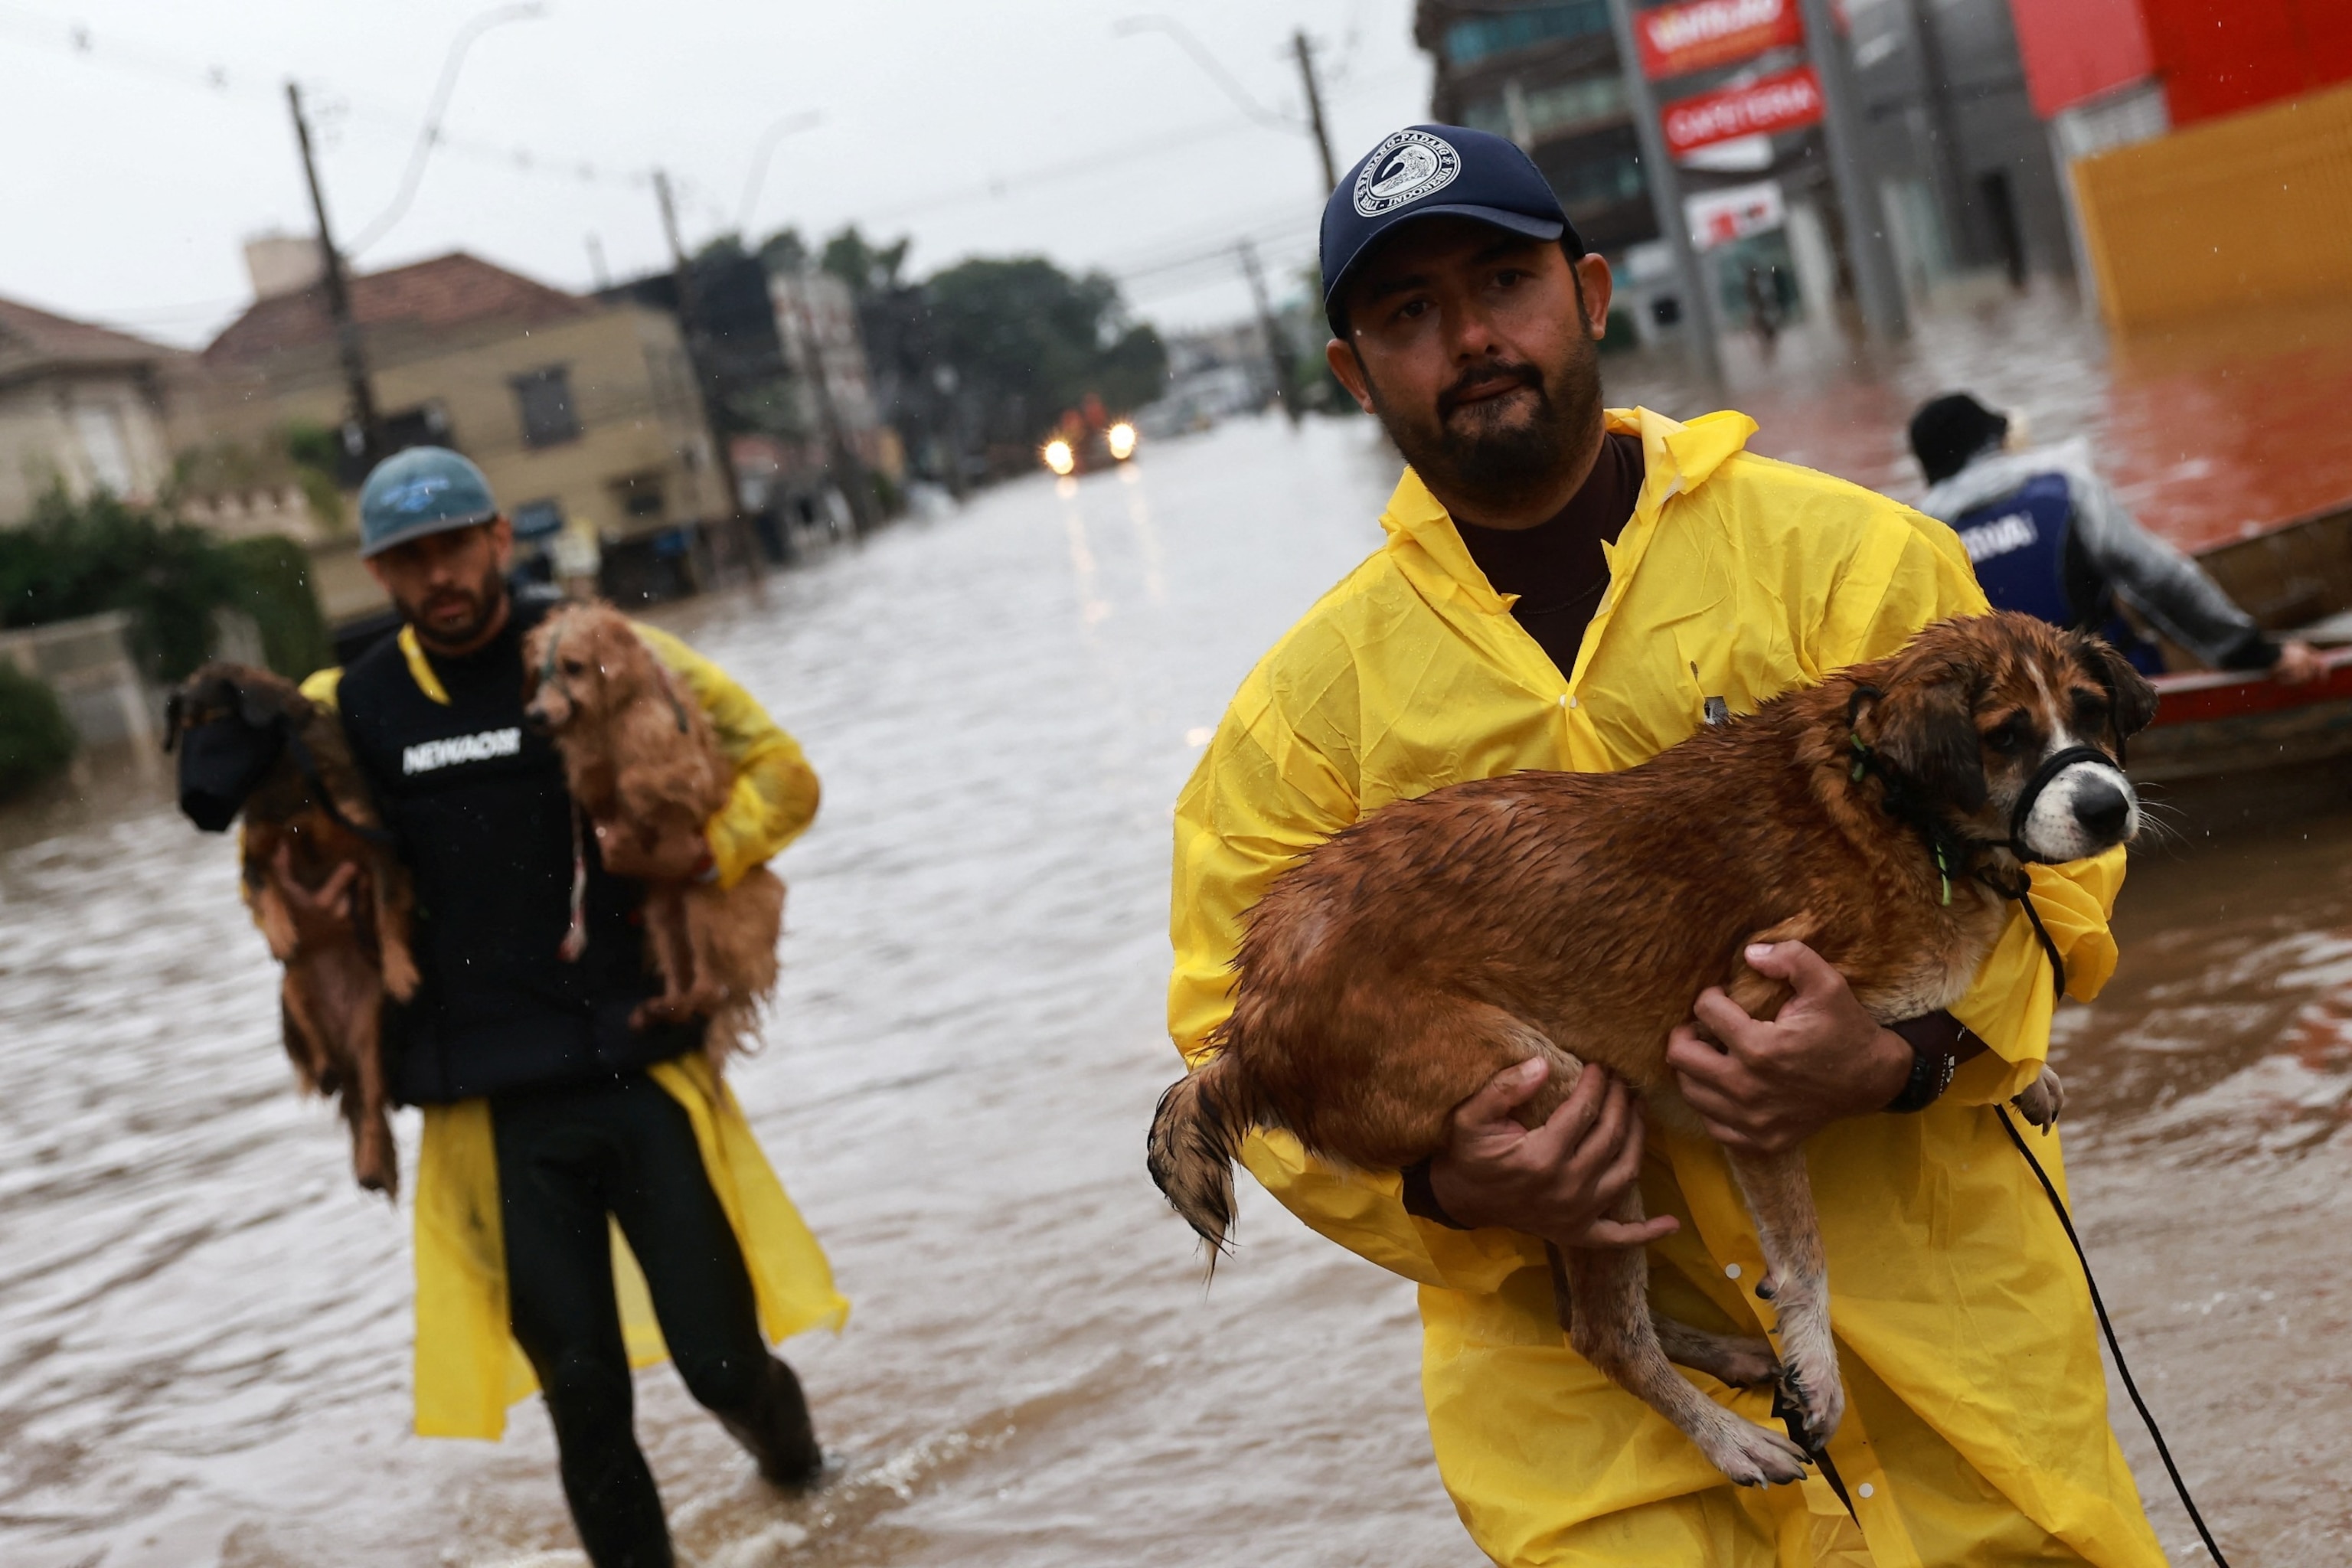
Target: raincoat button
1865,1489
1731,1271
1571,702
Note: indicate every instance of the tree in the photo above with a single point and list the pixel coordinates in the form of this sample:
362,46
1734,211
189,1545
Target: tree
868,269
1028,342
783,251
79,559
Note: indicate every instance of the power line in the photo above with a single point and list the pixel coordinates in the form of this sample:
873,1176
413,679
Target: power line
89,48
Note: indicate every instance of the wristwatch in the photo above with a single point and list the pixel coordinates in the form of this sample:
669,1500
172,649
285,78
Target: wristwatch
1935,1042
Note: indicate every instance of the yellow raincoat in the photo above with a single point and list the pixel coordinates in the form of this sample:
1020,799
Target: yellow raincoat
1976,1426
469,1369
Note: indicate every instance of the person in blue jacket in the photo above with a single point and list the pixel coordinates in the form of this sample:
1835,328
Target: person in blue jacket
2050,538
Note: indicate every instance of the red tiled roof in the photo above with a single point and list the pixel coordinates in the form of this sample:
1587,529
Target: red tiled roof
34,339
446,291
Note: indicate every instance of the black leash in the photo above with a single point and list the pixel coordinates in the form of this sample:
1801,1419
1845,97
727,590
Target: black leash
2123,1369
2021,893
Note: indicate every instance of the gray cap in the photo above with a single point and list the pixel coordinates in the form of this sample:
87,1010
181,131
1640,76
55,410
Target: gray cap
425,489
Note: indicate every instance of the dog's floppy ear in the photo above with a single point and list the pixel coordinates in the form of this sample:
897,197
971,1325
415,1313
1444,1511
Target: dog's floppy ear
259,706
2131,701
1924,727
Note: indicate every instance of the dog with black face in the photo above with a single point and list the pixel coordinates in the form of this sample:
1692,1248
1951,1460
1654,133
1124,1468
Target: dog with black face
1885,817
331,898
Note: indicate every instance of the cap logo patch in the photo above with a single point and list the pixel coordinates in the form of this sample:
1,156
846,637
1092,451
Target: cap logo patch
1409,165
416,494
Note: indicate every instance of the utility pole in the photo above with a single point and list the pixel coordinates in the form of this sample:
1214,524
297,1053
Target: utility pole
1277,352
1943,136
841,457
689,317
1305,52
1658,172
1876,279
363,422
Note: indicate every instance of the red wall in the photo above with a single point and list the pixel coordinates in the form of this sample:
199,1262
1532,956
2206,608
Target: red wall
2075,49
2221,56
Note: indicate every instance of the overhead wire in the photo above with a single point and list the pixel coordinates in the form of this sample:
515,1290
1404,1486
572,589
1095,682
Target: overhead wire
110,51
89,47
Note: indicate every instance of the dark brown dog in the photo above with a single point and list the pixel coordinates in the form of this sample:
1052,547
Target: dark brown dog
1574,917
332,903
643,761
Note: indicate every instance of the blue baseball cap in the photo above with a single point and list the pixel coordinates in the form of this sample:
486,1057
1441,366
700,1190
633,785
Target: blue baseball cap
424,489
1435,170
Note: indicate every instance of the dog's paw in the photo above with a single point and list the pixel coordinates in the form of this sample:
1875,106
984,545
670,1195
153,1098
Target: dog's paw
2043,1102
1752,1456
1819,1397
399,977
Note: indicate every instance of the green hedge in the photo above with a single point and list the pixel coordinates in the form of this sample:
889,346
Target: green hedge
37,739
82,558
270,581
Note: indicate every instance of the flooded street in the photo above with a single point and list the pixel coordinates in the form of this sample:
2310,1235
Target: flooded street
204,1325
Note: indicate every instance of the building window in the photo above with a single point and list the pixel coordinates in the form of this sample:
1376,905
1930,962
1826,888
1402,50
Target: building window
538,519
1550,109
1475,37
640,495
545,399
104,446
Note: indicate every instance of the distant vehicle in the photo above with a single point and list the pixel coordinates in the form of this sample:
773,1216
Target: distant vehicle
1087,439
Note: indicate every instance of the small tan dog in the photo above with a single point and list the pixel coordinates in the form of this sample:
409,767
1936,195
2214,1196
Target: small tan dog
331,898
1573,917
644,764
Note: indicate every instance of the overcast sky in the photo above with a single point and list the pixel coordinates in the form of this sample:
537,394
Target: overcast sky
134,172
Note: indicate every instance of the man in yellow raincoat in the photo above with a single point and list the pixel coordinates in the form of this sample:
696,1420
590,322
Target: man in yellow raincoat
1567,587
589,1196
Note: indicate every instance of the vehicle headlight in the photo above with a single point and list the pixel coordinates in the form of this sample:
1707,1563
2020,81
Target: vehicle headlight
1059,458
1120,440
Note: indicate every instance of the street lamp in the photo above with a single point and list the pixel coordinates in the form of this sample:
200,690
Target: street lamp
789,125
431,135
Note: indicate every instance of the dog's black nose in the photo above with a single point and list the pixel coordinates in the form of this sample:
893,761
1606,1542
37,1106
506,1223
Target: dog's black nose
2102,807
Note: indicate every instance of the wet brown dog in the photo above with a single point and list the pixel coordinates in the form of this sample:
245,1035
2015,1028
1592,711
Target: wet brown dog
330,896
1574,916
644,762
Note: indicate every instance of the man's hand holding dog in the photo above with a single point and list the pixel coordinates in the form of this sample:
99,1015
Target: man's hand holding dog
1558,1181
1766,1087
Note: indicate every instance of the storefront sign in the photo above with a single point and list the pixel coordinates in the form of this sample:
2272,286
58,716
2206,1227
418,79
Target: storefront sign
1785,100
1697,35
1718,217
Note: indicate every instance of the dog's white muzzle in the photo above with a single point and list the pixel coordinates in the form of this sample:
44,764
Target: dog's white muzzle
2083,808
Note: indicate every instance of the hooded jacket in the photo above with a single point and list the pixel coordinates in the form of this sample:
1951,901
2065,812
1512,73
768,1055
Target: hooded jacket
1976,1429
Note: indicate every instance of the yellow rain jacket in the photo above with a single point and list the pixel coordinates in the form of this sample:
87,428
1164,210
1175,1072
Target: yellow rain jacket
469,1369
1975,1428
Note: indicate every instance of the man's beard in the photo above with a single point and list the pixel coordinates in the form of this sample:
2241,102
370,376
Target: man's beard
1491,466
485,598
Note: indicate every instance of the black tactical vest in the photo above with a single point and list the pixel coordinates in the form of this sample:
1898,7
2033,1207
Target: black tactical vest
484,821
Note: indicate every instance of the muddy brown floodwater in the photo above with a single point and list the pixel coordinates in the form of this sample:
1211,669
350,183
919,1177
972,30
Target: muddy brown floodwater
203,1325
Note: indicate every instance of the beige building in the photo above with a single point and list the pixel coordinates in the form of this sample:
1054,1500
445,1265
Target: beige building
584,415
83,407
